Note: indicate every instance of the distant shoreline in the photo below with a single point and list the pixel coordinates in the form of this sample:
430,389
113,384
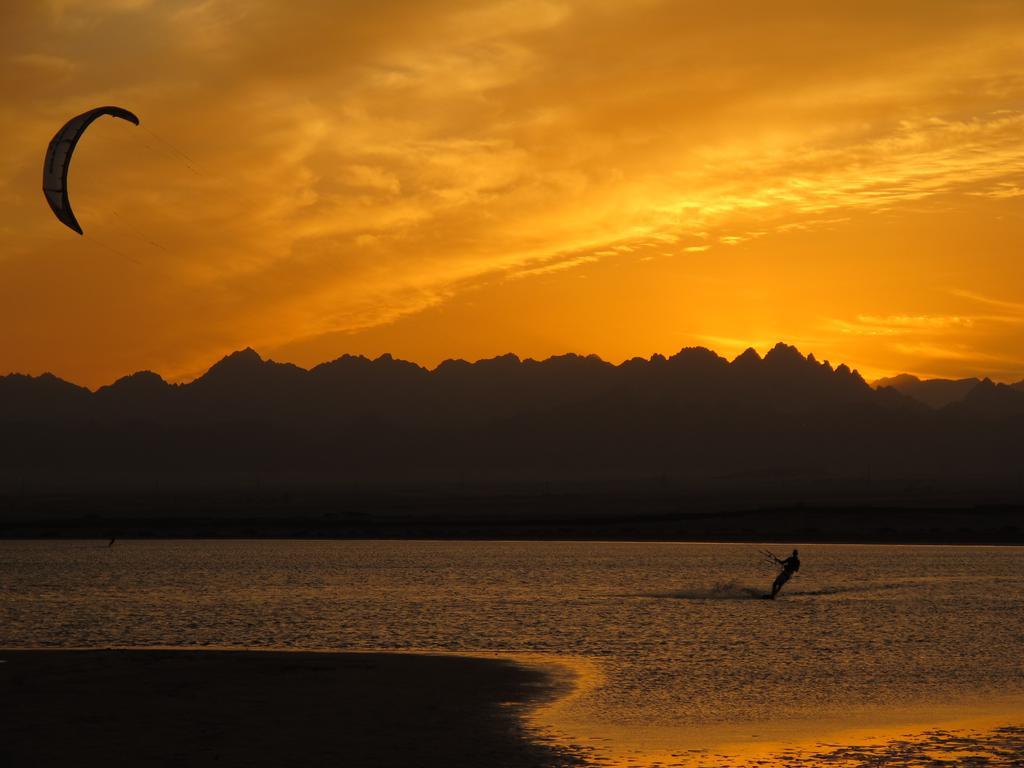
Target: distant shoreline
267,708
591,516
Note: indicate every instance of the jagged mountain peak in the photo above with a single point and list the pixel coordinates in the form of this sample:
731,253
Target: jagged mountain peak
247,356
782,352
748,357
935,393
138,382
698,355
140,378
897,381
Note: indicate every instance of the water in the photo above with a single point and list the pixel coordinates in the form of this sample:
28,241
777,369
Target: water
671,636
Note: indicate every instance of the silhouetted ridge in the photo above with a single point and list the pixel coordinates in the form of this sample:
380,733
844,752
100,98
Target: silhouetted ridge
697,358
236,365
693,419
748,357
137,396
785,355
898,382
40,397
143,381
990,400
936,393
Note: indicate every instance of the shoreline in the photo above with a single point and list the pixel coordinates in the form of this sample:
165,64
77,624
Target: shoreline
996,532
781,542
899,735
879,736
570,516
216,707
271,708
992,726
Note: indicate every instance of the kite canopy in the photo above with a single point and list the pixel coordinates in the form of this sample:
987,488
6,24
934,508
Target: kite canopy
58,160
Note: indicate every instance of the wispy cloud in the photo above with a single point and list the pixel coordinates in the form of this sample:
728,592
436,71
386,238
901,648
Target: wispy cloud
901,325
55,66
1015,309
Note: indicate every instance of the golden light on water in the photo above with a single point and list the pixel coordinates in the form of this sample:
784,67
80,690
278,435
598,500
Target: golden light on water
952,731
454,179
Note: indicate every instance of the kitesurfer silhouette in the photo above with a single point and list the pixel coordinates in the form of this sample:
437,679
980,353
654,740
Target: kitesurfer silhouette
789,566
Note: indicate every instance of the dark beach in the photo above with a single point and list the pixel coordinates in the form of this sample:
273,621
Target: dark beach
230,708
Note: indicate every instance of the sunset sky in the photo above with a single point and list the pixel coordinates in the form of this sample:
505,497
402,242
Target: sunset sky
457,179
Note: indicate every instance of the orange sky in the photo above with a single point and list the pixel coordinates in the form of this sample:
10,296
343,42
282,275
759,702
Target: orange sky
458,179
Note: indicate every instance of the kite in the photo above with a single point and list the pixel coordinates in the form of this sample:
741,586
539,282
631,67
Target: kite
58,160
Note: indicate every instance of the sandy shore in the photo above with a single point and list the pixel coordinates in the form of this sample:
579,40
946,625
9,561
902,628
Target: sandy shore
972,734
232,708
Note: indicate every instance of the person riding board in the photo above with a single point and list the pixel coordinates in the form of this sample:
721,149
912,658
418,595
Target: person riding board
789,566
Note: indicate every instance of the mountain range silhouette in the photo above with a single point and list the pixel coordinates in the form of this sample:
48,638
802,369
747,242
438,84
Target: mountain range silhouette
938,393
752,427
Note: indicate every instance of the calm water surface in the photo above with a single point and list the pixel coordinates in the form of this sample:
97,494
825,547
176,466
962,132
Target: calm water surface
675,633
